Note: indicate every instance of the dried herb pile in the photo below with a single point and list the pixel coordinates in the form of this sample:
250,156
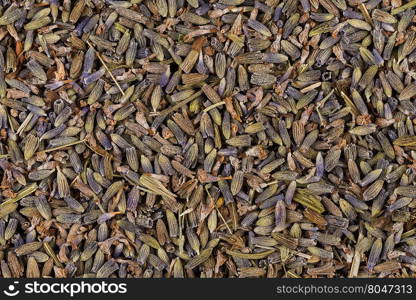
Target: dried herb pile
230,138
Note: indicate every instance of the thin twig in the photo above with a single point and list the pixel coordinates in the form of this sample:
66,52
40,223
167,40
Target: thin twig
10,123
176,106
61,147
364,11
225,222
25,123
105,66
214,106
269,183
101,154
